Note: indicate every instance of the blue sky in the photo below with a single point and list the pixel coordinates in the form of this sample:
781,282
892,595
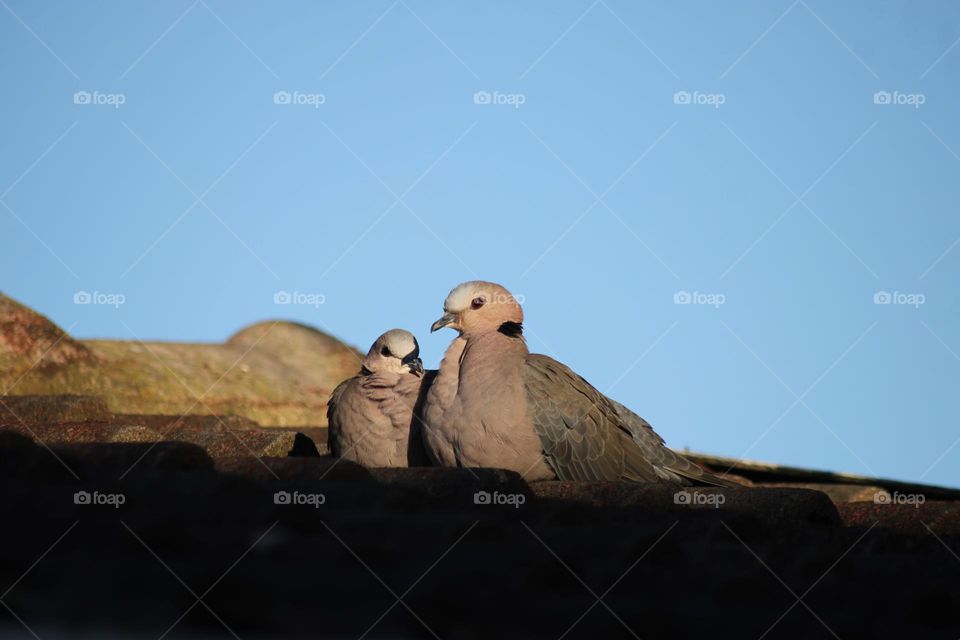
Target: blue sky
778,165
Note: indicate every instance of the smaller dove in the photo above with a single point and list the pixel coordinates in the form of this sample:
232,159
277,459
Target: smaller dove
372,417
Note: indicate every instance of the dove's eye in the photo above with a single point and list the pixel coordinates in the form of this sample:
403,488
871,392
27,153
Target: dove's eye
385,351
477,303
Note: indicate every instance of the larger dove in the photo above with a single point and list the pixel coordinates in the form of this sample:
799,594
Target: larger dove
372,417
495,404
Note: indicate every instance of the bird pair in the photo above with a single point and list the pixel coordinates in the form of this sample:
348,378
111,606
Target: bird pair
492,403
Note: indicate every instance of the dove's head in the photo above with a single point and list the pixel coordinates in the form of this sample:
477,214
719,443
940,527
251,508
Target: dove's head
478,307
396,351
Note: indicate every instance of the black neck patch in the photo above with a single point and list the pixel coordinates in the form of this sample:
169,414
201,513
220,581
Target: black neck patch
511,329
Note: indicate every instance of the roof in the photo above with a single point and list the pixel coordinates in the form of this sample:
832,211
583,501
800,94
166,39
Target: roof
120,520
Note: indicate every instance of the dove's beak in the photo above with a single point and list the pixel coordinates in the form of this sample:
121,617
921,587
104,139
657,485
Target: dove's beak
416,366
447,320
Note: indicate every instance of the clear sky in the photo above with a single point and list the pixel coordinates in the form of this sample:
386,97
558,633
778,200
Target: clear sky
778,165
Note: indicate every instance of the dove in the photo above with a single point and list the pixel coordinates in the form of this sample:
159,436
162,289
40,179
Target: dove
371,417
495,404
